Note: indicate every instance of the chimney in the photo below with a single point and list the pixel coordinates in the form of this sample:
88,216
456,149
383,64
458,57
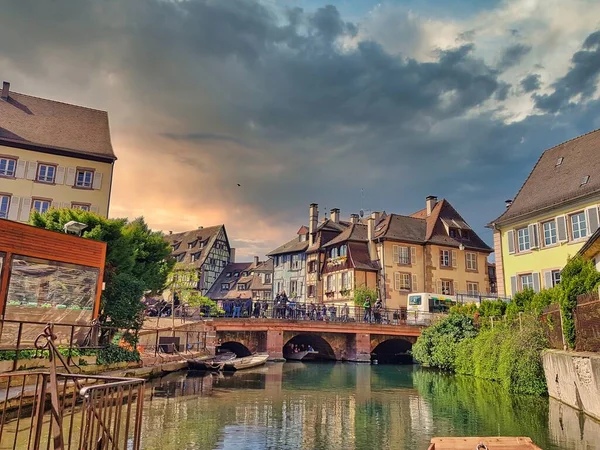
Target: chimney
430,202
354,218
313,217
335,215
231,255
255,261
5,89
371,237
200,227
508,203
170,232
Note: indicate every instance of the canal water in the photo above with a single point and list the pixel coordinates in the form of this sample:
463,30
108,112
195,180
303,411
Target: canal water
347,406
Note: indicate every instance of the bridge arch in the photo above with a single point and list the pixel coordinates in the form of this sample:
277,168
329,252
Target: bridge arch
393,350
316,341
238,348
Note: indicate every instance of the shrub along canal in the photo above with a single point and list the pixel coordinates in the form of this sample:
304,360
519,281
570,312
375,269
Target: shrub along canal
347,406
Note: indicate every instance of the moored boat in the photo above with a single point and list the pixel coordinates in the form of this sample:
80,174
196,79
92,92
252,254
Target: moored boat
210,362
299,356
246,362
483,443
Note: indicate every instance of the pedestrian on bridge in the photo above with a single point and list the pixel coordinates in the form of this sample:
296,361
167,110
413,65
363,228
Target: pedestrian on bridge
367,306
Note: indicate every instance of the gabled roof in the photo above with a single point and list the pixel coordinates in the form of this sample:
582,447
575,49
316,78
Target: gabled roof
45,125
253,280
207,236
402,228
293,246
551,184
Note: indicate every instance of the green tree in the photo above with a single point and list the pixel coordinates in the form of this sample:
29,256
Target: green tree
362,292
137,261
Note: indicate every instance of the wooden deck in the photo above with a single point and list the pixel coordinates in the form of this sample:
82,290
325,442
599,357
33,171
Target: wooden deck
491,443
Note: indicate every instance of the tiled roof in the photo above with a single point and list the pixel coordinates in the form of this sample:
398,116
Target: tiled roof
182,240
355,232
402,228
293,246
265,266
254,281
27,121
550,184
358,253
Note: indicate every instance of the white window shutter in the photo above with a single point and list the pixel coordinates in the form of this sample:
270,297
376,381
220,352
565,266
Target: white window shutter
561,228
13,210
31,170
592,219
513,285
510,237
56,205
439,286
454,262
413,255
21,165
396,281
536,281
415,283
532,235
71,172
25,209
396,257
60,175
548,279
97,183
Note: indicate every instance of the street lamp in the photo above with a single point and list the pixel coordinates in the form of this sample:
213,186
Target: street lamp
74,227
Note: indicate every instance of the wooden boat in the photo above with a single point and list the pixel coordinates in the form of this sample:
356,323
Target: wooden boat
210,362
483,443
245,363
299,356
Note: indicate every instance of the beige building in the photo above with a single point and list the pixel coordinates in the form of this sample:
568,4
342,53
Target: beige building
433,250
52,155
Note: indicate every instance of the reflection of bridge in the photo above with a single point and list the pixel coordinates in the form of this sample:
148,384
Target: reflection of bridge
340,341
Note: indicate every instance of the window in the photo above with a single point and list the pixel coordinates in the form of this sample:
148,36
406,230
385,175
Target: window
526,281
466,234
312,267
549,233
343,250
228,274
46,173
236,274
311,290
578,225
195,256
330,283
84,178
447,286
453,233
523,238
4,205
267,278
555,277
192,244
559,161
445,258
472,288
41,206
345,280
242,287
402,281
471,261
8,167
333,253
585,180
296,262
293,287
224,286
403,255
81,206
180,257
276,261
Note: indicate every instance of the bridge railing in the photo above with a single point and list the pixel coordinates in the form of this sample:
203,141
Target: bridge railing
312,312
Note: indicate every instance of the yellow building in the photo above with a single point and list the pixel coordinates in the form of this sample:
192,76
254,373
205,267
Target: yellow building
551,217
433,250
52,155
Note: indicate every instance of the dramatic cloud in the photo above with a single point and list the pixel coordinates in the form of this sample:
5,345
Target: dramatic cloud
298,106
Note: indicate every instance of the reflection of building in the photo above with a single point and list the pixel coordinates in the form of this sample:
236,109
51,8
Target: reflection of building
52,154
552,216
244,281
206,249
48,276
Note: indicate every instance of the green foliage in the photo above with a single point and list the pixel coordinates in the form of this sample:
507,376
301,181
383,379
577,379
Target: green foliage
520,302
436,347
544,298
114,354
577,277
492,308
464,308
137,260
362,292
196,300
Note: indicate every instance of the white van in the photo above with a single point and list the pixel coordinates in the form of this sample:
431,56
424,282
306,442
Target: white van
422,306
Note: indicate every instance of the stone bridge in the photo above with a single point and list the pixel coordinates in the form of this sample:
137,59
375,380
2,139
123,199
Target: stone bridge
333,340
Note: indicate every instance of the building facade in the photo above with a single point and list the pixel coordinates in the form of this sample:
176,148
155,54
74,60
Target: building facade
52,155
289,267
243,281
206,249
550,219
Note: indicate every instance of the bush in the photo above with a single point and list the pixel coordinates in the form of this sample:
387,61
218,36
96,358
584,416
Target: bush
492,308
114,354
362,292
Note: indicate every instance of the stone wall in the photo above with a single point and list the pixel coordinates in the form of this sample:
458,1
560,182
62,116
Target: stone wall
574,379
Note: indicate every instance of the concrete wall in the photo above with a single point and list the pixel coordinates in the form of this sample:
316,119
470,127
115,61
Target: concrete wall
574,379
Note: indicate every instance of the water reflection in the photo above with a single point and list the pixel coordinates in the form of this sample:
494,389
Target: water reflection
331,406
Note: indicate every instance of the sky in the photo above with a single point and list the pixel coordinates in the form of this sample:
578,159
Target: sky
244,112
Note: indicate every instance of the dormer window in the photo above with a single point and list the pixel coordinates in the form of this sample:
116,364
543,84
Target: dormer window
175,246
224,286
192,244
343,250
195,256
180,257
228,274
242,287
334,253
585,180
236,274
559,161
465,234
453,233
